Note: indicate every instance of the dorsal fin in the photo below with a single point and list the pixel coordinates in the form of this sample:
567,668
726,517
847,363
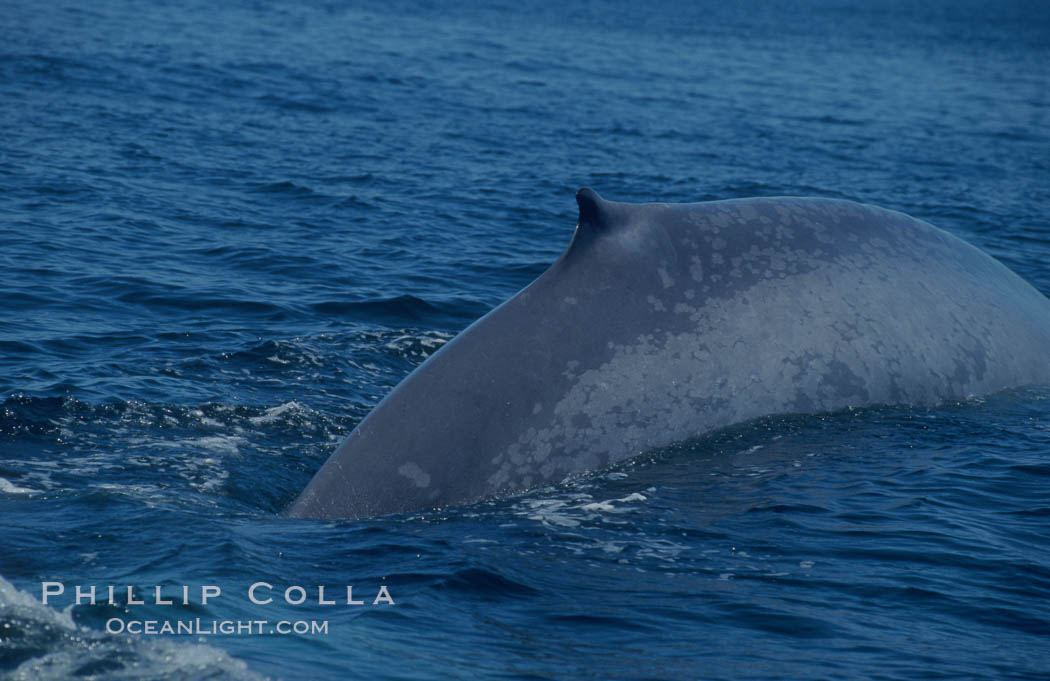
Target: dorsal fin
594,214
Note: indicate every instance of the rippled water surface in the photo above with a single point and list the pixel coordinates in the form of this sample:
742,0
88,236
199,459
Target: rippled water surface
228,229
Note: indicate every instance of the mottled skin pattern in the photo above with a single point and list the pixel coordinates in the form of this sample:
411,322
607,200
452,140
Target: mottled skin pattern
661,322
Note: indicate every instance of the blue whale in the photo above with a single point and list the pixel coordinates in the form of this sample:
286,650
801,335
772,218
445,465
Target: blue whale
661,322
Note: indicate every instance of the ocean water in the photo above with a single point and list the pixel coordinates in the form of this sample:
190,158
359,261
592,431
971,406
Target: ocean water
228,229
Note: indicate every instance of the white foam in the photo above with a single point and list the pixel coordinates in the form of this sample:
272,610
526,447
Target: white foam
577,508
8,487
205,420
71,647
274,413
220,444
610,505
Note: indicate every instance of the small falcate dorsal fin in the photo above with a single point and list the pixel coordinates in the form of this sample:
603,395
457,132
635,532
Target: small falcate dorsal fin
597,217
594,214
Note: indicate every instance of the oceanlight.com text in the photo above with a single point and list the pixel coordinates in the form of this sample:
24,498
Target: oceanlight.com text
198,627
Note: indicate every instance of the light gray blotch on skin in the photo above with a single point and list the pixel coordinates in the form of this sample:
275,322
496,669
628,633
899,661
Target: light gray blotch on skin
722,218
696,269
666,279
412,471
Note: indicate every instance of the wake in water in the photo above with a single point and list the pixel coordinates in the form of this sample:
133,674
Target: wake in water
38,643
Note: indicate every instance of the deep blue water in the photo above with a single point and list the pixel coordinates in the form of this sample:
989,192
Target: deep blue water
227,229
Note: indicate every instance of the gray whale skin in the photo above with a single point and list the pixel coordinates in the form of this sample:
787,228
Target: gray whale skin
664,321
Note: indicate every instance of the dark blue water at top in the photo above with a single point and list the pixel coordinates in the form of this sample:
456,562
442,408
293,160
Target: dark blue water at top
227,229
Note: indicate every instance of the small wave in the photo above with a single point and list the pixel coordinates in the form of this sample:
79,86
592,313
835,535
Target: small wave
284,187
311,105
8,487
400,308
487,583
205,302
